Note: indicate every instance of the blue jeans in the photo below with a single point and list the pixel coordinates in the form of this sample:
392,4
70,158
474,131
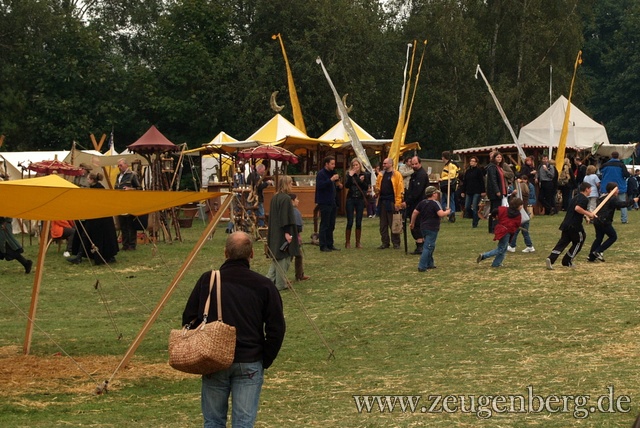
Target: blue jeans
471,204
243,381
500,252
261,214
623,211
525,234
356,205
445,203
429,246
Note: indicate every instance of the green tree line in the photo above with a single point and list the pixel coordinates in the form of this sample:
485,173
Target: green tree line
194,68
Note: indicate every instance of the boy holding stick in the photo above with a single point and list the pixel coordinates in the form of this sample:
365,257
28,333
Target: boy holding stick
607,206
572,230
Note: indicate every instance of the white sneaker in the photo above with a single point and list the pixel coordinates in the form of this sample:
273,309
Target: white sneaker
511,249
66,254
549,264
529,250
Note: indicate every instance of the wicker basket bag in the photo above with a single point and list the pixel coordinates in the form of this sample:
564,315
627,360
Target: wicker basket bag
208,348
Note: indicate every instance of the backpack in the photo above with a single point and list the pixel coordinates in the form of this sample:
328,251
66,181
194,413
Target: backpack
564,177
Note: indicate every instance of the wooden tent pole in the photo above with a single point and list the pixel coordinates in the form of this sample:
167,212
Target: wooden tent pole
179,275
37,281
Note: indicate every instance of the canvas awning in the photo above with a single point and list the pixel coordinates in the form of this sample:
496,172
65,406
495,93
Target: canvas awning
54,198
96,159
223,143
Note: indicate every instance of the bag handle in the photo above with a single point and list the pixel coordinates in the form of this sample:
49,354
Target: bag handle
218,291
215,275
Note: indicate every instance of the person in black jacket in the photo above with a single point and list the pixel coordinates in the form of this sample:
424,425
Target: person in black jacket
358,185
580,170
603,223
127,180
572,230
472,189
418,183
252,304
496,184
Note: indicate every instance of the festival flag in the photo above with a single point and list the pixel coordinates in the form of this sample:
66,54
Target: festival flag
394,150
298,121
502,113
348,126
404,110
413,96
565,126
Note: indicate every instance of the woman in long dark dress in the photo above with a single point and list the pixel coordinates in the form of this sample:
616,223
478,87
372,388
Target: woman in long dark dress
101,232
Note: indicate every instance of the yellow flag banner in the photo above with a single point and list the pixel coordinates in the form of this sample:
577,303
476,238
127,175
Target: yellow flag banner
404,111
298,121
562,144
413,96
394,150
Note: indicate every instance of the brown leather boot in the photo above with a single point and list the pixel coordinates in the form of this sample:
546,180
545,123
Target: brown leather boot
358,234
347,238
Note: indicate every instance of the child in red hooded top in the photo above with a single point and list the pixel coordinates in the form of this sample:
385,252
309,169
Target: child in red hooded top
508,221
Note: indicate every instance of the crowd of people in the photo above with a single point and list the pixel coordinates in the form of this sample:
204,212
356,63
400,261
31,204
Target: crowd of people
252,301
502,193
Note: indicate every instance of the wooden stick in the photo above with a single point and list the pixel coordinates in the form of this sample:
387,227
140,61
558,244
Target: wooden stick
37,281
604,201
448,189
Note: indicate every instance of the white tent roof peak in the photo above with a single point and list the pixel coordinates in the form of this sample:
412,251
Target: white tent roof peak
275,130
222,137
337,133
545,130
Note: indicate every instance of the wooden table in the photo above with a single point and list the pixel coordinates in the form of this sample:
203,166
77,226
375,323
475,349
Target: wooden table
306,195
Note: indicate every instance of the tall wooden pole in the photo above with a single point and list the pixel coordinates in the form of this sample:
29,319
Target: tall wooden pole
37,281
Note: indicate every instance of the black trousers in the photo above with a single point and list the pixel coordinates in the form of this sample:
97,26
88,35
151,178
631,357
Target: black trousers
547,196
128,232
573,236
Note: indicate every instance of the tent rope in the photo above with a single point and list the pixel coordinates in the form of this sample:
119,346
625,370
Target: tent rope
107,308
314,326
95,250
100,386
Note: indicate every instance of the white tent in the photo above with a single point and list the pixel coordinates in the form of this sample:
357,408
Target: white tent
545,130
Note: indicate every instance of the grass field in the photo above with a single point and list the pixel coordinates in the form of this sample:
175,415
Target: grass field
463,330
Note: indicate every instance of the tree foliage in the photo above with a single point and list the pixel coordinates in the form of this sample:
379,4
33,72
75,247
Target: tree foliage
194,68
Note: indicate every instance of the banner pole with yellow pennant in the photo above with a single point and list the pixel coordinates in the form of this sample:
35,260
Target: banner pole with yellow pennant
404,112
565,126
298,121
